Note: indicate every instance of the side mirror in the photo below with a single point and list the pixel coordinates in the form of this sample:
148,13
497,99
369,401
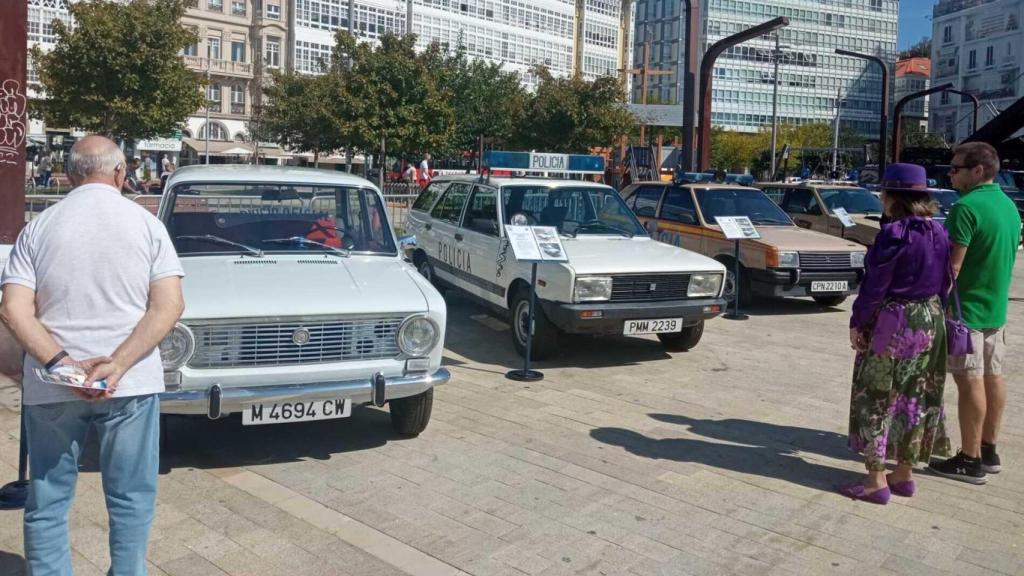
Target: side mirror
407,244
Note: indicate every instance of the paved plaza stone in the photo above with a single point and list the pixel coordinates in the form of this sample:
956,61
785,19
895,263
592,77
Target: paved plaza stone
624,460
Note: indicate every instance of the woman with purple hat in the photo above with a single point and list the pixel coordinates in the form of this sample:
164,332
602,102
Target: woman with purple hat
898,330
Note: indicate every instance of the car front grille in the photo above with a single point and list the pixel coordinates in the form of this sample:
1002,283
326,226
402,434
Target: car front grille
649,287
825,260
289,343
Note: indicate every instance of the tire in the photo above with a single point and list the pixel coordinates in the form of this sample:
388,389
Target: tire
829,300
728,293
683,340
410,415
545,335
426,269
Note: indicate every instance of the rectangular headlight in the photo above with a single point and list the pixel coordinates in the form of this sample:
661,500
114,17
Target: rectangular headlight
592,288
789,259
857,259
704,285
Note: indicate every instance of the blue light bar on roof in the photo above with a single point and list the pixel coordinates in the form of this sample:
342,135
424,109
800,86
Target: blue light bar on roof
543,162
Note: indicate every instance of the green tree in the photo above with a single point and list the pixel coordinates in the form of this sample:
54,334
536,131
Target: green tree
574,115
923,49
394,102
300,113
118,71
914,136
736,151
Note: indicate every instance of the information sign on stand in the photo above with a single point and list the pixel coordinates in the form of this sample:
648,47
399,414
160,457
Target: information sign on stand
737,228
844,217
533,244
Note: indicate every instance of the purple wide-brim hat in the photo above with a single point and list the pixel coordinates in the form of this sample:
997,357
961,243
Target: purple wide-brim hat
901,177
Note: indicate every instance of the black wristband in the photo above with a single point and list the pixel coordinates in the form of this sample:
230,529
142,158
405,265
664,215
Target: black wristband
53,361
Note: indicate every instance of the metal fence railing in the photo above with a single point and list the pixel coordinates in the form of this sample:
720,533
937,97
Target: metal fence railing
399,197
36,203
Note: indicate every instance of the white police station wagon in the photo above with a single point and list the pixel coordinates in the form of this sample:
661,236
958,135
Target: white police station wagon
298,303
617,279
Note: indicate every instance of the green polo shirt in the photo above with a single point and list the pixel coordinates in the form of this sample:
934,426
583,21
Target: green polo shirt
985,221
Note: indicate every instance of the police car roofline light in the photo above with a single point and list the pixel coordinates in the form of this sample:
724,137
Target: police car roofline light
697,177
541,162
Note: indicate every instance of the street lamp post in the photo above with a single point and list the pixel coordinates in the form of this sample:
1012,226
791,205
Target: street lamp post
897,116
708,65
835,132
207,127
883,130
775,107
689,76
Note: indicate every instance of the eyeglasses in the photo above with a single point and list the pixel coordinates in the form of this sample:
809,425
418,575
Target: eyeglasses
954,168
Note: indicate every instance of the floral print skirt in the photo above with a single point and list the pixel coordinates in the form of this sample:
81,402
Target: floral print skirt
896,408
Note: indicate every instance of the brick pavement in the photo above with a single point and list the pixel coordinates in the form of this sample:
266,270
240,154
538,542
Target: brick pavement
624,460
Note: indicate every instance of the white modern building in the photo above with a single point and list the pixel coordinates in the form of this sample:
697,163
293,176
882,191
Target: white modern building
811,74
978,45
41,14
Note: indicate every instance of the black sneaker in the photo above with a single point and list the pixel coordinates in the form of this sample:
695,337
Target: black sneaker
960,467
989,459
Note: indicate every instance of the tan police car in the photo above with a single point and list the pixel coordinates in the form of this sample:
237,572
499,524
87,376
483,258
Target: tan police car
812,204
786,261
617,280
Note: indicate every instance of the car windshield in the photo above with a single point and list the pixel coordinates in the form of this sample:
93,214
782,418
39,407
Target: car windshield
853,200
946,199
574,210
748,202
278,218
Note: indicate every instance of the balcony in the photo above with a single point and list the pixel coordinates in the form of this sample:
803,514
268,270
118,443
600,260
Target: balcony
218,66
237,108
214,106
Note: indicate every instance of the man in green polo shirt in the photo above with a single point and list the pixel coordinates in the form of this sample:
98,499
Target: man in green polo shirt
985,230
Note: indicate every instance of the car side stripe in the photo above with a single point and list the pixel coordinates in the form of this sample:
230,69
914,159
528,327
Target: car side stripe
469,278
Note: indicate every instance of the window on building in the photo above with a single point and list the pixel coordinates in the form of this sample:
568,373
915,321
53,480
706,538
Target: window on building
972,59
191,50
213,97
213,48
990,56
215,5
217,132
944,98
237,99
947,35
238,51
274,11
272,52
238,7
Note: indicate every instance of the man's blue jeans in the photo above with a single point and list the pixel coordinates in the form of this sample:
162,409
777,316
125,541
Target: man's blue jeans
128,431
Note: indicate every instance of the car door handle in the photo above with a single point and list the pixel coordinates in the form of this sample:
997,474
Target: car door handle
459,237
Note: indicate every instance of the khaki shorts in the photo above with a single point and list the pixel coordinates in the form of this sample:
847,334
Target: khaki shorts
987,360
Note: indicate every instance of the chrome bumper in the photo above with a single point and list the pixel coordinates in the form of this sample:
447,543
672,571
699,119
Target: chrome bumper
216,401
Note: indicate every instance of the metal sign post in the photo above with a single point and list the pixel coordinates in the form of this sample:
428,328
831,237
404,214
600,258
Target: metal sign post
737,228
527,375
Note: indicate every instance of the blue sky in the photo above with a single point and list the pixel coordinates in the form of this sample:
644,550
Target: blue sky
915,22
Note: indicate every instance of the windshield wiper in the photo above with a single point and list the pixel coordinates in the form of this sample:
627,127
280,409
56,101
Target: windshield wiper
307,242
598,224
223,241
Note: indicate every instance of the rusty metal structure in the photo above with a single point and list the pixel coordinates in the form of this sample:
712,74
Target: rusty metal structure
707,65
13,60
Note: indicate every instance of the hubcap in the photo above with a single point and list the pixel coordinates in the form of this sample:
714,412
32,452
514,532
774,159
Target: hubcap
729,292
522,321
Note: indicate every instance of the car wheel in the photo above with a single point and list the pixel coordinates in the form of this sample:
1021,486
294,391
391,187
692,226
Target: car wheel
545,335
729,290
410,415
829,300
683,340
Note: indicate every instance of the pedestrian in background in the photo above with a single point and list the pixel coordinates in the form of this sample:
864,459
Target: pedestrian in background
898,330
45,168
424,171
93,282
985,229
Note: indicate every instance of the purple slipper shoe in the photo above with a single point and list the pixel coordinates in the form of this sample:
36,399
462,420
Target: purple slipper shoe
856,491
905,489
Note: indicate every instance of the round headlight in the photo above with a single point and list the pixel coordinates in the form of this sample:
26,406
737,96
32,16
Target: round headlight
417,336
176,348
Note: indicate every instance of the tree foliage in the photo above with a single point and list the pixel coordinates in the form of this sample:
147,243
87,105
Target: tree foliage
743,151
118,71
923,49
574,115
301,112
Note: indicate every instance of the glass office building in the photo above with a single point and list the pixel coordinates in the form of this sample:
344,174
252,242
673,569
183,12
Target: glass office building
810,72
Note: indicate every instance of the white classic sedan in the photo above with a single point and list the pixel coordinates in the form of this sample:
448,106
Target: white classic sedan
298,302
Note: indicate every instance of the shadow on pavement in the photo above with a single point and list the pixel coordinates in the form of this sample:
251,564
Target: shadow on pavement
758,460
198,442
786,439
12,564
788,307
480,335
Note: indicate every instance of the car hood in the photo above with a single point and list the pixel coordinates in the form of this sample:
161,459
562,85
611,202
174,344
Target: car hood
794,238
618,255
219,287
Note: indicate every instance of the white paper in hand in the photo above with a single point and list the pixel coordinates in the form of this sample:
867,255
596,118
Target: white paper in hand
68,375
